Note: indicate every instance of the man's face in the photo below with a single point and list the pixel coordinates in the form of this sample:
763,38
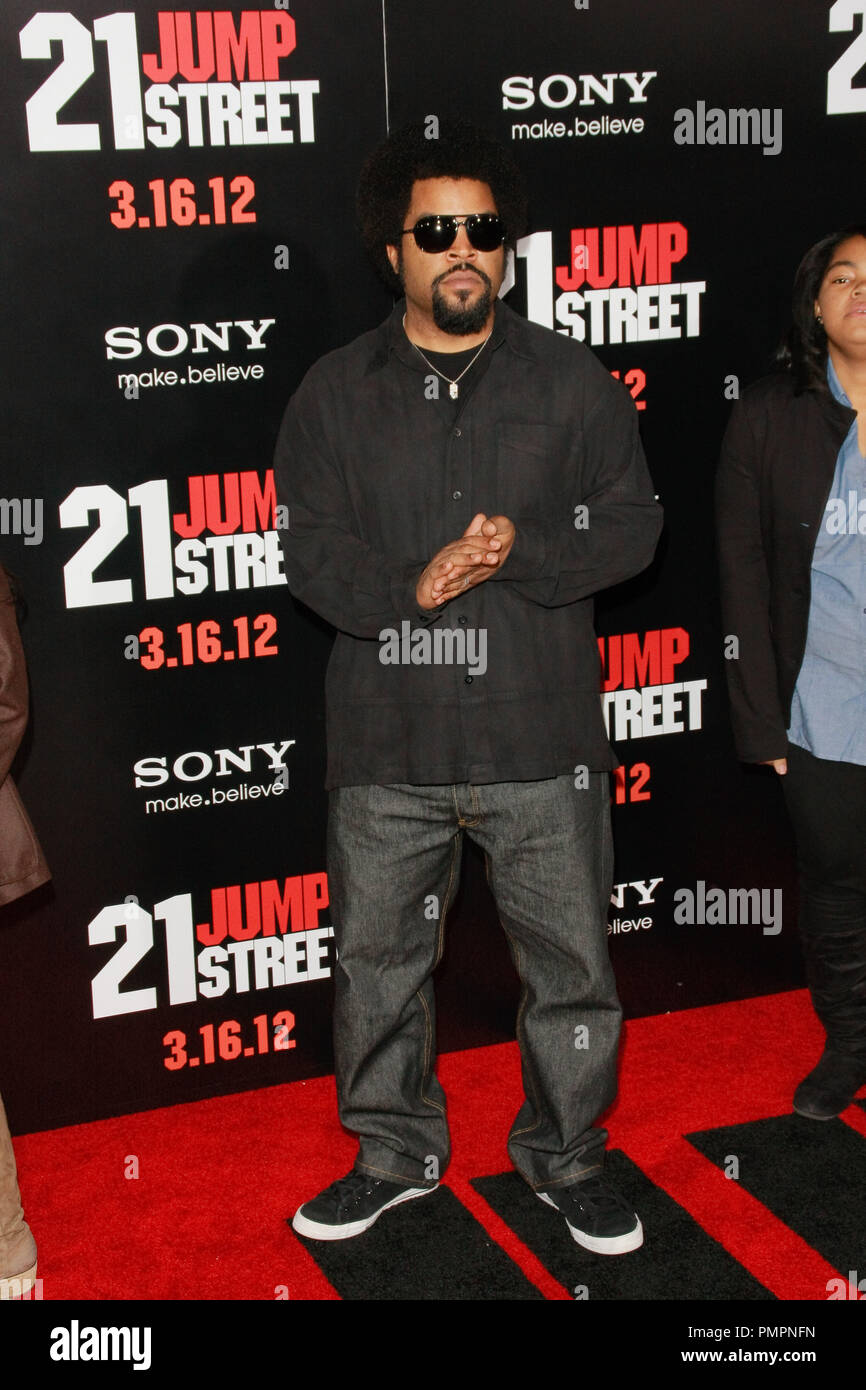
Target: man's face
456,288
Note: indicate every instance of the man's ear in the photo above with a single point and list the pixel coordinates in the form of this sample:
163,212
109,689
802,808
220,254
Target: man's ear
394,258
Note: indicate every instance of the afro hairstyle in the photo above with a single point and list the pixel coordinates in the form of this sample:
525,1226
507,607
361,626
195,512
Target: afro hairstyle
459,151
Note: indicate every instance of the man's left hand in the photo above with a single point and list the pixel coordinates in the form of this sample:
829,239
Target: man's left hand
495,527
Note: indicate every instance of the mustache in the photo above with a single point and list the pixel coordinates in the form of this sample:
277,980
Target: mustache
463,268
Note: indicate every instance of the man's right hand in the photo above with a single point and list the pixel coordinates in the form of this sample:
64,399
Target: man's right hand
470,558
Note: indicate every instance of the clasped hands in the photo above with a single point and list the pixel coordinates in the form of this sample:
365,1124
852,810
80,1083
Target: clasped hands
460,565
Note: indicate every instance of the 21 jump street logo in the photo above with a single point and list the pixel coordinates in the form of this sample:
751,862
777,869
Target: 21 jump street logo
257,936
844,95
641,695
209,78
225,537
616,286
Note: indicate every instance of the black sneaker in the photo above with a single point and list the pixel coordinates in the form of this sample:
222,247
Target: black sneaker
597,1216
351,1205
830,1087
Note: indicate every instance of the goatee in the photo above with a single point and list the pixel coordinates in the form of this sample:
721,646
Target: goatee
462,318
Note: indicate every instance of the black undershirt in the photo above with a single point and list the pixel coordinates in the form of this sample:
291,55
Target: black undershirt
451,364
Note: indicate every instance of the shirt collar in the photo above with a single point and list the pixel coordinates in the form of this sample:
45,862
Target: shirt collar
835,384
508,328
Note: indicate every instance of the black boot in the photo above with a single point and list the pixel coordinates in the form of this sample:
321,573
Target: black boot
831,1086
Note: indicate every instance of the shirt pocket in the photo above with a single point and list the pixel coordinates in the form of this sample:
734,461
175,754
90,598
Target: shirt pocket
534,471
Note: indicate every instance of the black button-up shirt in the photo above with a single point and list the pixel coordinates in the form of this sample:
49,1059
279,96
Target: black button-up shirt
378,475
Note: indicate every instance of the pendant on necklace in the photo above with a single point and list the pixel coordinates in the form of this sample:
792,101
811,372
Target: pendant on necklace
452,391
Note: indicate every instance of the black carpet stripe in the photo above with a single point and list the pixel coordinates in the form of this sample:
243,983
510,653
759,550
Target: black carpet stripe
678,1260
430,1248
810,1173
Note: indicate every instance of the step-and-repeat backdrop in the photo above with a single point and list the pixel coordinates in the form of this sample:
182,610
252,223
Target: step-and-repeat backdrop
179,245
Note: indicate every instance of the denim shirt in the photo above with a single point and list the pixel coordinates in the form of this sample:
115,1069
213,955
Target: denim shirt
828,713
378,475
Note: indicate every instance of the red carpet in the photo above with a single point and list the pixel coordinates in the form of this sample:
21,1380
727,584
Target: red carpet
205,1218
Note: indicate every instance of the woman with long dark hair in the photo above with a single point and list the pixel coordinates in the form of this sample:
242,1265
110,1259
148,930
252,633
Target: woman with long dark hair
791,508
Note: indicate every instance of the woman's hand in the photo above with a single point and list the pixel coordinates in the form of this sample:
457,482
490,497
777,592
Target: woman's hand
780,764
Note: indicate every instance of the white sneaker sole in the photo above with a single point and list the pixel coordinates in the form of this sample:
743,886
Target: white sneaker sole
602,1245
320,1230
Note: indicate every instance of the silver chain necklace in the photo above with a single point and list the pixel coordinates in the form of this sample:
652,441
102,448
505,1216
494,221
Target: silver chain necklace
453,390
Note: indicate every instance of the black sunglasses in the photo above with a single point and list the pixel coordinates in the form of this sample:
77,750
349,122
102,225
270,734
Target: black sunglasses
485,231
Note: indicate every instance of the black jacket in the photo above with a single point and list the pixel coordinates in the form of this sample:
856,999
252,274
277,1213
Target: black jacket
777,465
377,478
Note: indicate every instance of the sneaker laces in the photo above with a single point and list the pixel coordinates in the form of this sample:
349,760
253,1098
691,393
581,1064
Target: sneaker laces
346,1191
597,1197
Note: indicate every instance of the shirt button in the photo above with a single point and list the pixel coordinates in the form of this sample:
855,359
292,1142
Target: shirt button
457,495
462,620
467,680
458,432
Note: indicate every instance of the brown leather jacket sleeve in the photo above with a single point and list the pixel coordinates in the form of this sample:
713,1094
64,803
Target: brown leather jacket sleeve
13,680
22,863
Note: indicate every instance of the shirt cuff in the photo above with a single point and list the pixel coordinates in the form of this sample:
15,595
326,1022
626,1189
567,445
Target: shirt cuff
528,554
403,597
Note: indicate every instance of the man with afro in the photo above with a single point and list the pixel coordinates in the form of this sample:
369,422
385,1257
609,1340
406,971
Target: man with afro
460,483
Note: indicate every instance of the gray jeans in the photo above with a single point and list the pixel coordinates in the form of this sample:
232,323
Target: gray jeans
393,867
